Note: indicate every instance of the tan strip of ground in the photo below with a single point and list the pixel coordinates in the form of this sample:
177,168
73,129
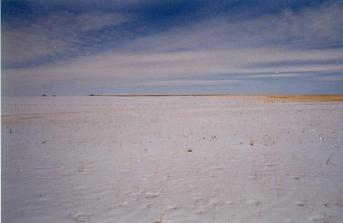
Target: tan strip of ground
303,98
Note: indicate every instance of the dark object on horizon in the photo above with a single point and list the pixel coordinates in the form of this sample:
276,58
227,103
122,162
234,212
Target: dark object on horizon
91,95
43,95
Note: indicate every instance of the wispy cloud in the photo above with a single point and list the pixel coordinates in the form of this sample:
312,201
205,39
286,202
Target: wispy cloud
310,28
58,34
67,49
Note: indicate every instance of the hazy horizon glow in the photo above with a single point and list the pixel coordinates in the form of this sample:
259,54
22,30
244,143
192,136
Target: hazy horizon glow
170,47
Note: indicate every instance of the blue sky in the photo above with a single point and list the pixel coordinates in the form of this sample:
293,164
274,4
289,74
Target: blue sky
171,47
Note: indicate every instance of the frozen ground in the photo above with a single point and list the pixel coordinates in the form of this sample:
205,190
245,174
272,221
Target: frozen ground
171,159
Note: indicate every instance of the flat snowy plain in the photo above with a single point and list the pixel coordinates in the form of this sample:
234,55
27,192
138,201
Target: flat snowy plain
171,159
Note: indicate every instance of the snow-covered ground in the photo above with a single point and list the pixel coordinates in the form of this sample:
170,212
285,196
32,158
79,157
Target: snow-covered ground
171,159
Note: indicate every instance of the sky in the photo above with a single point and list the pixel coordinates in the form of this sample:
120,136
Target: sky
82,47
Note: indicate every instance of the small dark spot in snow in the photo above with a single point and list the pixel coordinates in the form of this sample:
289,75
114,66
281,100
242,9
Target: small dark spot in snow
213,138
189,150
300,204
43,142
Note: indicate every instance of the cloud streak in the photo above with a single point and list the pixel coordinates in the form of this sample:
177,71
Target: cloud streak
117,51
58,34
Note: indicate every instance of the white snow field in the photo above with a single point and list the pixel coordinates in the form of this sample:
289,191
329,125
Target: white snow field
171,159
